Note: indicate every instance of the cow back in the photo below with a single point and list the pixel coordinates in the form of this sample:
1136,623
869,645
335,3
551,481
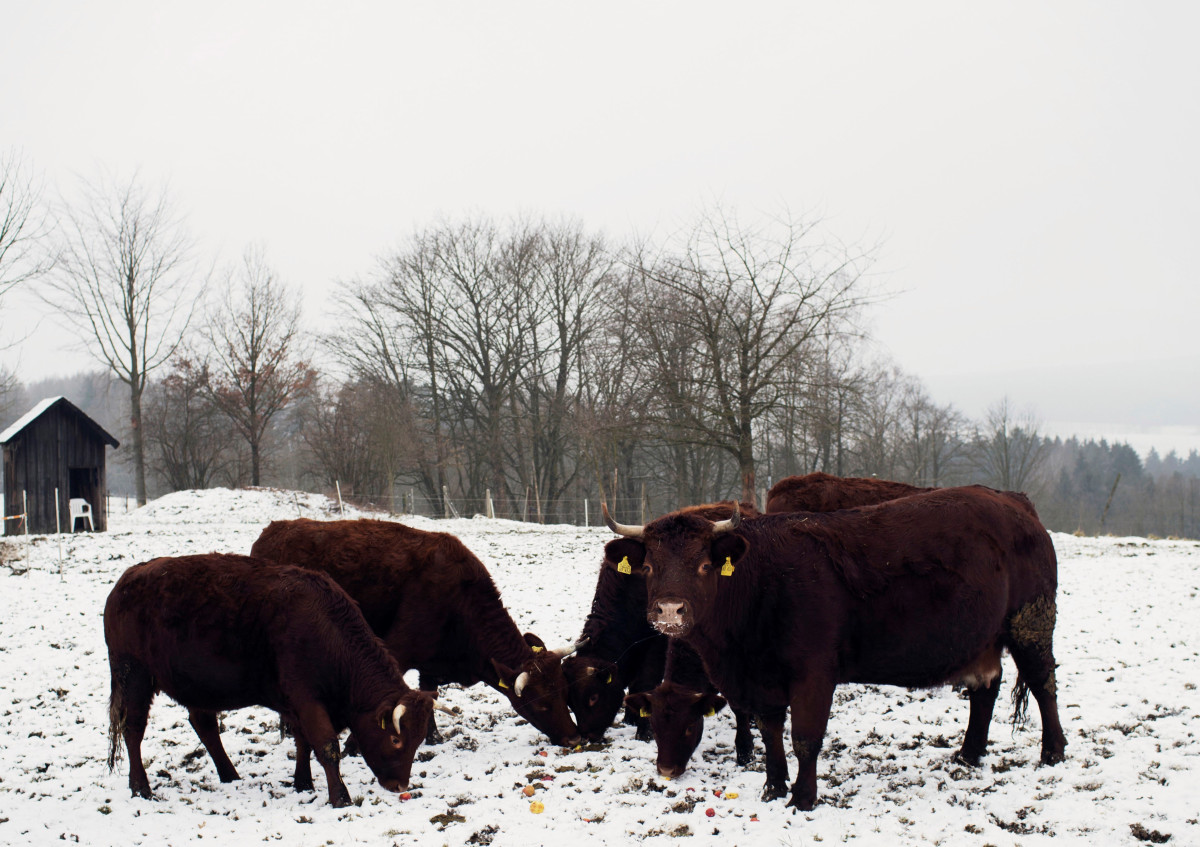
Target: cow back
822,492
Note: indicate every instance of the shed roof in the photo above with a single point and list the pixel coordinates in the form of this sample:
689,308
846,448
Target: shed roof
44,406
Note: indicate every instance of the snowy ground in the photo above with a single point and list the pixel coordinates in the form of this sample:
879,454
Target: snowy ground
1127,642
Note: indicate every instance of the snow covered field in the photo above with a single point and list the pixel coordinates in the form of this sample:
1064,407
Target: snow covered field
1127,643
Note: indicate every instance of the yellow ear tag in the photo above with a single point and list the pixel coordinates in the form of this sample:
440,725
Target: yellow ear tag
710,713
642,713
727,568
383,723
623,566
502,685
537,649
609,680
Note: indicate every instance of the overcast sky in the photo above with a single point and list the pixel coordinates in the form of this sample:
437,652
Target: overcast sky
1029,168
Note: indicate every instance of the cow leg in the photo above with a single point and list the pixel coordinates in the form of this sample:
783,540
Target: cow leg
771,729
743,739
810,703
320,736
1031,629
432,736
132,693
205,724
302,778
983,702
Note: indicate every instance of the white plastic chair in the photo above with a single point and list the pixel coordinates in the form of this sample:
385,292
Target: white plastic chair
80,508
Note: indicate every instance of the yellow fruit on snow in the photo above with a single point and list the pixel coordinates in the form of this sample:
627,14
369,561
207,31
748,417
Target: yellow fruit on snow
536,807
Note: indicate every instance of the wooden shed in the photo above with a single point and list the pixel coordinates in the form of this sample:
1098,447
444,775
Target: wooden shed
54,446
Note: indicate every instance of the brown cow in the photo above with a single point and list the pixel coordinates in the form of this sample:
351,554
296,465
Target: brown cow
219,632
822,492
620,650
677,707
436,608
919,591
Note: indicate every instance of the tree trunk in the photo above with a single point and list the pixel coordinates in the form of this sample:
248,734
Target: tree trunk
139,441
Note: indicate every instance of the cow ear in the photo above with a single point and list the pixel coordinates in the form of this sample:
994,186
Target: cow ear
626,556
727,551
535,644
505,674
639,701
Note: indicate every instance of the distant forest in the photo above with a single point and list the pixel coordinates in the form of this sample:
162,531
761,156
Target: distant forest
529,369
1089,487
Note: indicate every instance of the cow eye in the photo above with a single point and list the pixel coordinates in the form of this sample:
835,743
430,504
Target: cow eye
705,567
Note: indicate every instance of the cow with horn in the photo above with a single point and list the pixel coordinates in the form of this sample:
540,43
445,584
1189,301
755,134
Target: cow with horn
919,591
436,608
624,653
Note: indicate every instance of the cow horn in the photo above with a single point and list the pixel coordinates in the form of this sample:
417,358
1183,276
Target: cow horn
620,529
519,685
446,709
567,651
727,525
396,715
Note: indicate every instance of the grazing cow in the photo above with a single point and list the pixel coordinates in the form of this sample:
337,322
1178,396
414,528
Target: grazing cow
622,651
677,707
436,608
822,492
219,632
919,591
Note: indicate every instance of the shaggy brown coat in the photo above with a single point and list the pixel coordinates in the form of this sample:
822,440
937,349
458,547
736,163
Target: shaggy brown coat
221,632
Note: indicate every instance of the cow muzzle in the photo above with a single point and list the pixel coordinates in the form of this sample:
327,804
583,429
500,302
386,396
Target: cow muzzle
671,616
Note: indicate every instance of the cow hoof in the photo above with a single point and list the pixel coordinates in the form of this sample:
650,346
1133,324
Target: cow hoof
1052,757
644,735
745,758
774,791
142,791
801,804
964,758
340,800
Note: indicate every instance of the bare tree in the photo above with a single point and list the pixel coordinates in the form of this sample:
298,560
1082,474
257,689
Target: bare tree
23,225
23,249
753,296
127,282
259,367
1008,448
186,438
572,269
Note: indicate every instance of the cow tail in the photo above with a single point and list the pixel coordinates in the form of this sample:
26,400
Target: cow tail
1020,699
116,724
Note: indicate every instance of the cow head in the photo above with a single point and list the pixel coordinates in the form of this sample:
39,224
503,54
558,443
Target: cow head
677,717
390,734
683,558
594,694
537,690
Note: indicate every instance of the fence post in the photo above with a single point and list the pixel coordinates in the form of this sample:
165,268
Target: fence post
585,512
341,505
644,504
488,509
25,512
525,506
445,502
